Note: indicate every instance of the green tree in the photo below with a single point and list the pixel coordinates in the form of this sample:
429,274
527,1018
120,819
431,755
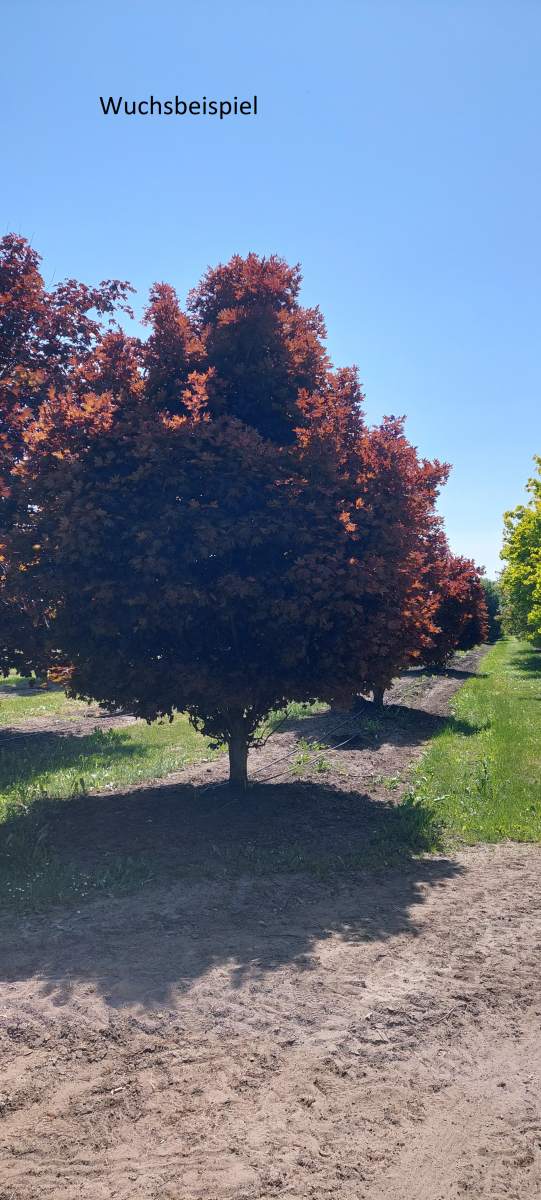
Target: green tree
521,579
493,602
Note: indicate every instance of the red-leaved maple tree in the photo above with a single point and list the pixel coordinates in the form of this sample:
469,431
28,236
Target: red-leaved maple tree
48,338
202,521
461,615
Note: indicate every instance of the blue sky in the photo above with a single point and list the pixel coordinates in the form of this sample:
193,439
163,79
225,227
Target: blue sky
395,155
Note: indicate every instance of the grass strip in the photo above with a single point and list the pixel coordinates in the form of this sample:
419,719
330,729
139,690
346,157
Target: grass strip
480,778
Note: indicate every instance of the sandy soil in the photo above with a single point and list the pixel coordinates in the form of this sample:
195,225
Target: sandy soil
281,1037
375,1035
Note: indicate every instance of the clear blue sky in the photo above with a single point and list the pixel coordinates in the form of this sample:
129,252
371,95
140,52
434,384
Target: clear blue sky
395,155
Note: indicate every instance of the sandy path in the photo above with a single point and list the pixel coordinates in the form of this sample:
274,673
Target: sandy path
280,1037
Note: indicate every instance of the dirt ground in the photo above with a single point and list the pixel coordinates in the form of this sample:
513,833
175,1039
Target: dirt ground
374,1034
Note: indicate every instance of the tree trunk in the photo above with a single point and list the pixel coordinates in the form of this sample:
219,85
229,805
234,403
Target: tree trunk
238,761
377,696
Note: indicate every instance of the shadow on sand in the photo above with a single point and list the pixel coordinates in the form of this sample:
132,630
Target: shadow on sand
247,884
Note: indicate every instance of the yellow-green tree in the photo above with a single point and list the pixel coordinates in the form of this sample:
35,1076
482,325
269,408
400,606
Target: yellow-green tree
521,579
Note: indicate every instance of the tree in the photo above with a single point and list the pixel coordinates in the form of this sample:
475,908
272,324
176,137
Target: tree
181,558
520,582
461,616
388,497
202,522
48,339
492,594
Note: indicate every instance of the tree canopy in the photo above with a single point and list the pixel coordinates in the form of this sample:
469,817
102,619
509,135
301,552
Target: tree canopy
202,520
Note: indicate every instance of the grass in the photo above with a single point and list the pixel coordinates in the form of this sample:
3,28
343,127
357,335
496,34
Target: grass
62,766
485,785
479,780
41,770
19,700
295,711
43,767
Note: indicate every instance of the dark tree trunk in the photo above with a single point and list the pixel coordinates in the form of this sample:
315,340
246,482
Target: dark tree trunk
377,696
238,761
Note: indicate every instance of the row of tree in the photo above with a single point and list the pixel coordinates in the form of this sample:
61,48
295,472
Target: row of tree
520,581
202,520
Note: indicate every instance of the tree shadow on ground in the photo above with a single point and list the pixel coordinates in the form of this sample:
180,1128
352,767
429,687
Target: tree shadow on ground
527,659
395,724
247,884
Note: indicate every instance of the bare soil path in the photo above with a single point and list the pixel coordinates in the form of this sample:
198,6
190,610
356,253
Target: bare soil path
281,1038
374,1035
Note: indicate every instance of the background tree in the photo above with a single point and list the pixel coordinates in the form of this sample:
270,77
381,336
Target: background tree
492,593
388,496
520,582
46,336
48,339
461,615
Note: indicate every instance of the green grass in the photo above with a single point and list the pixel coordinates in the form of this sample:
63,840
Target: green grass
57,765
311,754
484,784
42,769
19,700
60,766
